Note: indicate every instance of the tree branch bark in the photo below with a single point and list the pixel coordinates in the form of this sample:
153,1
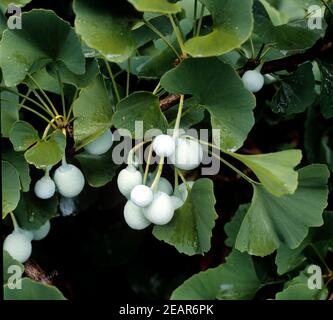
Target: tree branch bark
35,272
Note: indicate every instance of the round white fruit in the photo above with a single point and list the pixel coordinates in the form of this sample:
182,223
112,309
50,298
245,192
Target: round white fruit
253,80
42,232
164,145
188,154
177,202
127,179
161,210
182,191
18,245
142,195
45,188
69,180
100,145
134,216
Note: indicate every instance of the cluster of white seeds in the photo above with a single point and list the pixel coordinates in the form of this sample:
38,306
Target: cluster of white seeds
156,205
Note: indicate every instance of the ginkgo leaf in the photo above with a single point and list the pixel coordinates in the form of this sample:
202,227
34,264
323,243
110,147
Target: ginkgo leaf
106,26
232,26
274,170
272,221
234,280
22,50
218,89
190,230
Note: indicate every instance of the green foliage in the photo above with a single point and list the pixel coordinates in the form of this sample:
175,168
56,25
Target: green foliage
191,228
32,213
69,78
106,27
232,27
93,112
10,187
22,135
18,56
275,170
296,93
234,280
272,221
9,111
47,152
139,106
33,290
297,289
229,104
8,262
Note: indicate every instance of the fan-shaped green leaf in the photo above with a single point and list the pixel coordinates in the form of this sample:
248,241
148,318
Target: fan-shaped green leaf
297,91
106,26
190,229
274,170
298,289
272,221
48,80
93,112
99,170
18,161
233,25
47,152
288,259
292,36
234,280
23,135
45,39
218,89
32,212
139,106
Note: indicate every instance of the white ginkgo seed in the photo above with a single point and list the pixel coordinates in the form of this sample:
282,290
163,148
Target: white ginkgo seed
164,145
69,180
134,216
45,188
127,179
18,245
253,80
100,145
188,154
142,195
161,210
